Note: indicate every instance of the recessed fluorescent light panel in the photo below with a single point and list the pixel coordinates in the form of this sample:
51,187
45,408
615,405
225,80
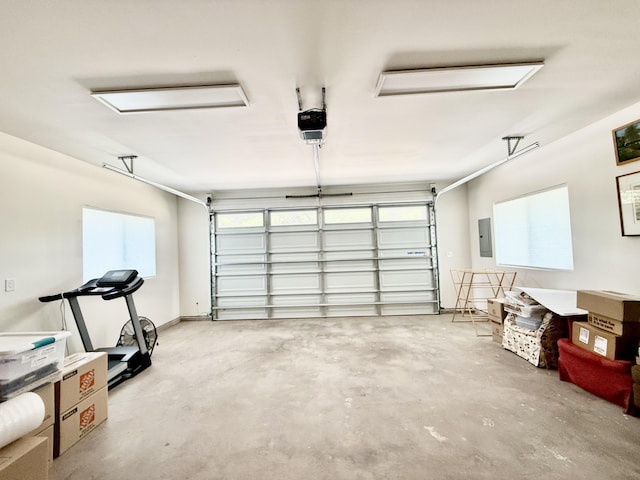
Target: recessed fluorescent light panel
455,79
172,98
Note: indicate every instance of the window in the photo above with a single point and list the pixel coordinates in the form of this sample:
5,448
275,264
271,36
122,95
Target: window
113,241
403,213
240,220
535,230
347,215
288,218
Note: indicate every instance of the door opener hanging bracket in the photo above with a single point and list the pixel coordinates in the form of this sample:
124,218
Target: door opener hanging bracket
512,149
128,166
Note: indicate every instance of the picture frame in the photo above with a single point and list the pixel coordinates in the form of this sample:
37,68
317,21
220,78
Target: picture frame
626,141
628,186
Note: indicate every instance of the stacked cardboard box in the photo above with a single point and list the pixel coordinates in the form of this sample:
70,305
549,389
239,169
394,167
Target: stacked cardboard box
31,456
26,458
45,429
81,399
612,328
497,314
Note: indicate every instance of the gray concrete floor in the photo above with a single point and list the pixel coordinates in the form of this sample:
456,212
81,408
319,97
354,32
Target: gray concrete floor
412,397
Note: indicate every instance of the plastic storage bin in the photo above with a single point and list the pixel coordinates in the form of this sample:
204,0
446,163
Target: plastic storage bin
30,359
531,323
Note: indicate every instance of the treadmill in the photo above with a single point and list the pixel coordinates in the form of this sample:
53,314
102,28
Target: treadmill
124,362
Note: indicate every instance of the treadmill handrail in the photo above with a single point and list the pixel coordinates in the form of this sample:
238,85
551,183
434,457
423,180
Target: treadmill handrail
90,288
127,290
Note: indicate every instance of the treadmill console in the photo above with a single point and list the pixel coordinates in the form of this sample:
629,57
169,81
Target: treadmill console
117,278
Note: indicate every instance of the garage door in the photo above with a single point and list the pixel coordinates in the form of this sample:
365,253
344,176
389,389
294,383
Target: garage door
324,262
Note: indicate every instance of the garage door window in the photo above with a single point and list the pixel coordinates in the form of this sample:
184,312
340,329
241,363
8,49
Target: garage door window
347,215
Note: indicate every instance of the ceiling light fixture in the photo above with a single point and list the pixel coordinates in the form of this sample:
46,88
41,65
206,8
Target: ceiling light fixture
172,98
455,79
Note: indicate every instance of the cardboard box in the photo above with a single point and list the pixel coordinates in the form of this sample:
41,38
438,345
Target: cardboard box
636,395
635,374
496,331
615,305
48,434
77,422
25,458
614,326
83,374
495,309
46,393
602,342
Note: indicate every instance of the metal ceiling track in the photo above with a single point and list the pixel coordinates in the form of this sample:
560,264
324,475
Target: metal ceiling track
128,172
512,154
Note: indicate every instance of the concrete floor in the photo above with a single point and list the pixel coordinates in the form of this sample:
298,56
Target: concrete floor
414,397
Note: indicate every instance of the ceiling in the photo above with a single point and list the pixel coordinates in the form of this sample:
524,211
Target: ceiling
54,54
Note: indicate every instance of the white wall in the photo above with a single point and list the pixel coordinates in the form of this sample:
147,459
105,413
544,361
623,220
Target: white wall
195,265
453,239
41,198
585,161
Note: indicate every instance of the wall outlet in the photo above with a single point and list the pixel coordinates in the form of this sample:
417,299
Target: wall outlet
9,285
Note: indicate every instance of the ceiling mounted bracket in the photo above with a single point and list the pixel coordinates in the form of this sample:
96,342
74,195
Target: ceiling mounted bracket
128,166
324,103
299,99
512,149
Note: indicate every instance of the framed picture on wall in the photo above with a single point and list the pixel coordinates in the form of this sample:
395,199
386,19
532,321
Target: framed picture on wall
629,203
626,140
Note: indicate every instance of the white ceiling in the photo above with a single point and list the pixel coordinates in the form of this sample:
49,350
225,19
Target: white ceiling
53,53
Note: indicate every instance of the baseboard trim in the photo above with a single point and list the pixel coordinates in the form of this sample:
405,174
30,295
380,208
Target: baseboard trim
169,324
195,318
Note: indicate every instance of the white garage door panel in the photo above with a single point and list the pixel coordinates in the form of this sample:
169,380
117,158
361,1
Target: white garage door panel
361,254
242,264
242,285
345,298
405,264
414,279
346,266
410,253
241,314
306,267
246,302
347,239
294,242
403,237
297,312
351,281
352,311
281,300
408,309
295,283
367,299
247,243
341,261
295,262
408,297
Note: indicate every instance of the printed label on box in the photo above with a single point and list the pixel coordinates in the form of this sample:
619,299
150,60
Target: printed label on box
70,413
87,380
600,345
584,335
87,417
